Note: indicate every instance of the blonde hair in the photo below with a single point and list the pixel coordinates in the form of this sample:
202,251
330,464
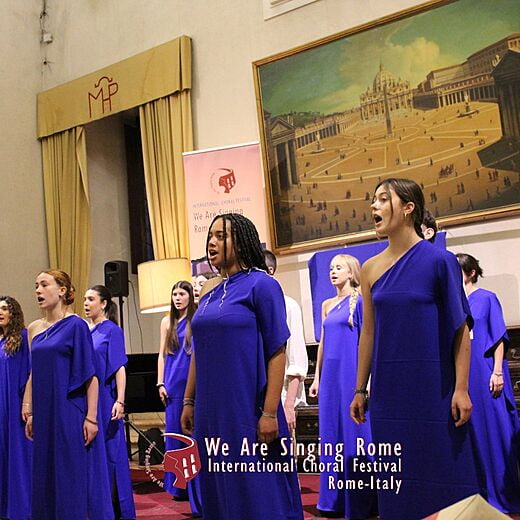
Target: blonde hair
355,282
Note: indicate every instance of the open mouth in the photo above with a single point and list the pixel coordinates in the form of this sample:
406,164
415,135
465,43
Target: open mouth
40,299
377,219
212,254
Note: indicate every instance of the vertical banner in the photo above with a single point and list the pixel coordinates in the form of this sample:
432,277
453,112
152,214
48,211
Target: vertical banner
223,180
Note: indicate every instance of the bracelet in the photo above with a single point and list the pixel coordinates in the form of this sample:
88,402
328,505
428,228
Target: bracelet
270,415
188,401
26,404
121,403
91,421
158,385
362,391
499,374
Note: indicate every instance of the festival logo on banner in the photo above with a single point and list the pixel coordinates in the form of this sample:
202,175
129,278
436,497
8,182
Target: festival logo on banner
223,180
105,88
184,463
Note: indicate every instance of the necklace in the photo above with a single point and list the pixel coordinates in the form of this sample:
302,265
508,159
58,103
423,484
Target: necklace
50,325
340,303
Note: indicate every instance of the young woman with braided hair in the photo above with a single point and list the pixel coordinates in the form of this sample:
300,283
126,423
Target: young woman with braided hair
15,449
415,346
236,376
334,380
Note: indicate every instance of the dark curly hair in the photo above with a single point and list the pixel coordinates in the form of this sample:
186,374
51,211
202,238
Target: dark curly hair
13,332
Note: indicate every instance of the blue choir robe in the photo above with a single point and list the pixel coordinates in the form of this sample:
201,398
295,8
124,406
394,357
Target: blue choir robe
336,389
176,370
419,304
110,356
15,448
237,329
70,481
495,420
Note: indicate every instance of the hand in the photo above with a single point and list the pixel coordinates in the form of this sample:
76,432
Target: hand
358,407
496,384
118,411
26,411
163,395
28,428
460,407
187,420
313,389
89,431
267,429
290,416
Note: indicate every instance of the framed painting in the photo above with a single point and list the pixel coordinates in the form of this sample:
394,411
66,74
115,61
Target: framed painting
431,94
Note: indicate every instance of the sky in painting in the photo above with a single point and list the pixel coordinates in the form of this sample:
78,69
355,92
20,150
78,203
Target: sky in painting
330,78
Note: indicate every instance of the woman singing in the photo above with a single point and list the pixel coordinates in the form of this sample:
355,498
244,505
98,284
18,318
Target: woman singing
236,377
415,345
110,357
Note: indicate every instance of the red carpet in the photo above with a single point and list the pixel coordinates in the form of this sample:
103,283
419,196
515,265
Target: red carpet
152,503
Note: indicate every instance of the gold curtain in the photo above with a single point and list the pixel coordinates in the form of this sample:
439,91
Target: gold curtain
65,184
166,132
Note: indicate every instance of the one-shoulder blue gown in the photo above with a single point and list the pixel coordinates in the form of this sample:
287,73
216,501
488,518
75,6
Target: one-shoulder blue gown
337,385
110,356
70,481
176,370
237,329
15,448
419,305
495,420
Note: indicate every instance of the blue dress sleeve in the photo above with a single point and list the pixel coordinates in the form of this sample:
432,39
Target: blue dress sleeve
82,364
25,362
116,357
496,327
269,307
358,316
453,305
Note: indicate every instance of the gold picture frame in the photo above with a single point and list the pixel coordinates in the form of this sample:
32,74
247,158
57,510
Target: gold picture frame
430,93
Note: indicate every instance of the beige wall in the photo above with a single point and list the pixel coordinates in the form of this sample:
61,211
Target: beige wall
23,241
228,35
110,224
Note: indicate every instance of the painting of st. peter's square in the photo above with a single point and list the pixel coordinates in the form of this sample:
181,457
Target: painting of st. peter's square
433,96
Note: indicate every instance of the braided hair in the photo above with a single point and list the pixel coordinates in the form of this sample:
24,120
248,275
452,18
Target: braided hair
13,330
246,241
355,268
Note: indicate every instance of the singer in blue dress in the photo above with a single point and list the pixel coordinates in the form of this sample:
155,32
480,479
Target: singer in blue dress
415,345
15,448
494,417
239,333
173,364
334,382
68,452
110,357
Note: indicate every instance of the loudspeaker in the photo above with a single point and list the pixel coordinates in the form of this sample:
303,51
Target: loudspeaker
116,277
